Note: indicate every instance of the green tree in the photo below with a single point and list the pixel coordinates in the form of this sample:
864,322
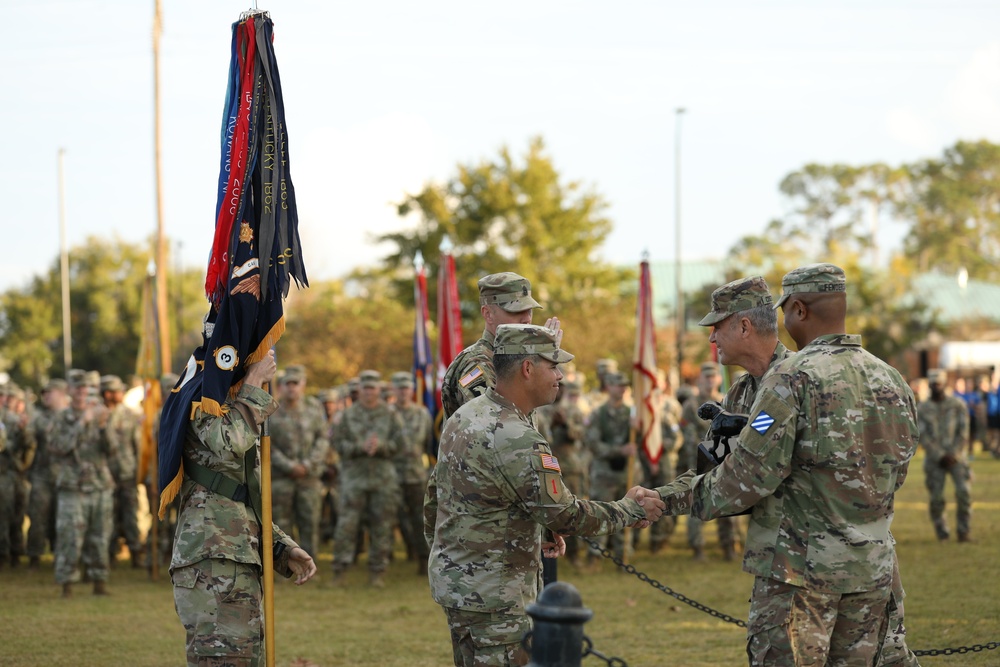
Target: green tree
953,206
505,214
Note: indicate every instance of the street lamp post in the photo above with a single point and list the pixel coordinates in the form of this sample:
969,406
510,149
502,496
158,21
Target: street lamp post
679,326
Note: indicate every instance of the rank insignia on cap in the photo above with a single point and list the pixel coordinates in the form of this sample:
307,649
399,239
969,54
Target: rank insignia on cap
762,422
550,462
471,377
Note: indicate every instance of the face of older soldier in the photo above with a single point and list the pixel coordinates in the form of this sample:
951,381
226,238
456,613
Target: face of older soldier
727,338
495,316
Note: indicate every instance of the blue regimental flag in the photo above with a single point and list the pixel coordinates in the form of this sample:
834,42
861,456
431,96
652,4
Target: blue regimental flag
423,364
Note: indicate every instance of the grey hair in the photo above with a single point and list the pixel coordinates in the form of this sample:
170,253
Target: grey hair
763,318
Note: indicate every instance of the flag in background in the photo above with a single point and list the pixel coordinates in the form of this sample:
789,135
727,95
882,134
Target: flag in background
255,253
449,318
147,367
423,363
644,382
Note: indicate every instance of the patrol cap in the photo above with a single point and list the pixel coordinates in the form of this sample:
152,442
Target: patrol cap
93,379
402,379
937,376
353,384
370,379
507,290
572,386
616,379
15,392
76,377
295,374
710,368
738,295
606,366
812,279
56,384
112,383
529,339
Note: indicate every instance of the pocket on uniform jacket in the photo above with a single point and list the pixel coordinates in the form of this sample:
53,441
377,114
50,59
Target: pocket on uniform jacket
184,577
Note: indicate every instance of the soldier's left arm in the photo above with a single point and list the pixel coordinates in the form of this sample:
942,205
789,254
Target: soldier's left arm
430,507
319,447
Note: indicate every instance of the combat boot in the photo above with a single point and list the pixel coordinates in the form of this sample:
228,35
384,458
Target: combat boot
729,552
964,537
699,554
34,563
67,590
101,588
376,580
137,560
339,579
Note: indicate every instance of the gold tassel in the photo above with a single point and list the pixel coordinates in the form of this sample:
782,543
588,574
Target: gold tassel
169,493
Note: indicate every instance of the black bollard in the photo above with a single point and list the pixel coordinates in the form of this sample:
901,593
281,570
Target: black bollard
558,617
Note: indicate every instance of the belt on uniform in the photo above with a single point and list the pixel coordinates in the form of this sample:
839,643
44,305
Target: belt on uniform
216,482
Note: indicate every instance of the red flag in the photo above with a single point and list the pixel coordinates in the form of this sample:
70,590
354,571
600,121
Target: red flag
449,318
644,382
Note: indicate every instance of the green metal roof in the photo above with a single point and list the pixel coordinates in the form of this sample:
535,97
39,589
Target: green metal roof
953,303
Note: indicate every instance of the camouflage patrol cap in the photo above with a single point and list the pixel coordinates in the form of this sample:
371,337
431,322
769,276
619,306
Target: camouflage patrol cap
529,339
606,366
616,379
93,379
76,377
295,373
738,295
710,368
572,386
15,393
402,379
812,279
507,290
937,376
55,384
112,383
370,379
353,383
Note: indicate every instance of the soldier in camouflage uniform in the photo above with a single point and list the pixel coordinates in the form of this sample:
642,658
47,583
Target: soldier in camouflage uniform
495,488
410,467
609,439
504,298
944,432
125,434
368,437
299,447
694,429
81,451
831,434
599,394
216,564
42,474
662,472
568,425
14,463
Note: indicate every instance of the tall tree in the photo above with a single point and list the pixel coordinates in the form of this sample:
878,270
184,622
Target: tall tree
953,205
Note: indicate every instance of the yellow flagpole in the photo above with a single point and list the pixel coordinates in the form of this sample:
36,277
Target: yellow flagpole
267,540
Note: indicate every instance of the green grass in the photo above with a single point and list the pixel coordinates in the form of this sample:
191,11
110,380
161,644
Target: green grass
952,601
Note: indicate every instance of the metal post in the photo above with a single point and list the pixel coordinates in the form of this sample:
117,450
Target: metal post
161,243
677,242
64,265
557,634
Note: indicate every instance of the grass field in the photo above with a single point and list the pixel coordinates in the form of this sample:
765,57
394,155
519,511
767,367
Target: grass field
953,600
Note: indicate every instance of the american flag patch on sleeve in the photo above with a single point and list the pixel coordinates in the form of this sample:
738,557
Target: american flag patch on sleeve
762,422
550,462
471,376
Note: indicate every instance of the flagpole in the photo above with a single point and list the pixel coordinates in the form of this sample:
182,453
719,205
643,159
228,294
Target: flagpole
267,541
64,265
677,241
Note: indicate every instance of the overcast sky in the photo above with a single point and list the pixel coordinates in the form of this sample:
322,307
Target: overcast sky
383,96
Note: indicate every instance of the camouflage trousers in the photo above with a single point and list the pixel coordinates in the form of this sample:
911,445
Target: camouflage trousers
605,486
7,513
296,506
482,639
662,529
83,529
895,652
219,604
934,480
379,510
411,520
790,626
42,514
126,514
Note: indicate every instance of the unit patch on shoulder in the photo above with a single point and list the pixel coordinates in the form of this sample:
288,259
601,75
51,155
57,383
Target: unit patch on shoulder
470,377
762,422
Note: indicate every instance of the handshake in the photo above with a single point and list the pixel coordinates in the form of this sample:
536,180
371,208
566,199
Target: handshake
650,502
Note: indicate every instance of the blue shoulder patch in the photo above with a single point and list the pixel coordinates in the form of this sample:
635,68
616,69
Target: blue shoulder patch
762,422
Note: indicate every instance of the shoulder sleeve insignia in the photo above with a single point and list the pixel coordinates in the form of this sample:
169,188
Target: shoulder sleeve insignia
550,462
762,422
470,377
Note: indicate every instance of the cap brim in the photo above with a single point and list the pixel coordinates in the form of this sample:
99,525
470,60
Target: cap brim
777,304
559,356
712,318
520,305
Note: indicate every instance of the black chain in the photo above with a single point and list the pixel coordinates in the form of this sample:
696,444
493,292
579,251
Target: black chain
976,648
588,649
642,576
